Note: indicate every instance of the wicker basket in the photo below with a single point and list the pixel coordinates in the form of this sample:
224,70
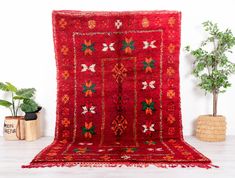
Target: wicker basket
33,129
14,128
211,128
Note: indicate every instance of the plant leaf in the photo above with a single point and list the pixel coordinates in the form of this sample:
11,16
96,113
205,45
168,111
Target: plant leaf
26,93
3,87
5,103
11,87
19,98
29,105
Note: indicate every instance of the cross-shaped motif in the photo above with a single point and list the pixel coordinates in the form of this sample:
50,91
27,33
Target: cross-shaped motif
118,24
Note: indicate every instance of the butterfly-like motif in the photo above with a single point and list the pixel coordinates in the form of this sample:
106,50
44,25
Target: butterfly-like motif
149,44
90,68
102,150
88,109
154,149
107,47
148,128
150,85
125,157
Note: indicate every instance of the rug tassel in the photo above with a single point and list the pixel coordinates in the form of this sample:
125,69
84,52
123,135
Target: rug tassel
118,164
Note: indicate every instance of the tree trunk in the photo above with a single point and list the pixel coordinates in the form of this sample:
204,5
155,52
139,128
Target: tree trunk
215,101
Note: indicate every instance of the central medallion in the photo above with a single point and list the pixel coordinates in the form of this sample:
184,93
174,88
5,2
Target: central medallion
119,124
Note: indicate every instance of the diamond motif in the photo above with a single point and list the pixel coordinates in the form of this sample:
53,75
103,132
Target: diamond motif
145,22
91,24
62,23
65,74
119,124
119,72
171,21
65,99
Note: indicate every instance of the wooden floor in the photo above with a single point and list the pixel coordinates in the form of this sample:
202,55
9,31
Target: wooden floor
15,153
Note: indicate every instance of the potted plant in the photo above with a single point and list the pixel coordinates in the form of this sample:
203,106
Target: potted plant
30,108
13,125
213,68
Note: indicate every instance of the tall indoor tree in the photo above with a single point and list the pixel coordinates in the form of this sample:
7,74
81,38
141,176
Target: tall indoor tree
212,66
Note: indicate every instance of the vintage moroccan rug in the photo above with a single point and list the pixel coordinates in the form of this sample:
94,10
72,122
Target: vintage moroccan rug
118,100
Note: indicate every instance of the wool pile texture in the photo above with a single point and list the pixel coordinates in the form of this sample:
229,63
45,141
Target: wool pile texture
118,94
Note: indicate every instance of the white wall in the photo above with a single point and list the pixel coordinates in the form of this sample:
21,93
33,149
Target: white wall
27,52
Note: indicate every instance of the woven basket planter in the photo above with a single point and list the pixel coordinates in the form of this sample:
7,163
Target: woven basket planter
211,128
14,128
33,129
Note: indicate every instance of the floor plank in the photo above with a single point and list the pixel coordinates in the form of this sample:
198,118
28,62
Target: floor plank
15,153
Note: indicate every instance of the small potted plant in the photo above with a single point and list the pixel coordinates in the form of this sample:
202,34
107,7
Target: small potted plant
213,68
30,108
14,124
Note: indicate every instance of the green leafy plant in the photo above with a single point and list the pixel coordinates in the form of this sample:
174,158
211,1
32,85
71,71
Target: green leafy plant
20,99
212,67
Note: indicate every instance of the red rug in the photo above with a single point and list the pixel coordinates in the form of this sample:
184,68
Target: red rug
118,100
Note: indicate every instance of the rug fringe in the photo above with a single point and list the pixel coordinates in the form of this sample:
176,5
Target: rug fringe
121,164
